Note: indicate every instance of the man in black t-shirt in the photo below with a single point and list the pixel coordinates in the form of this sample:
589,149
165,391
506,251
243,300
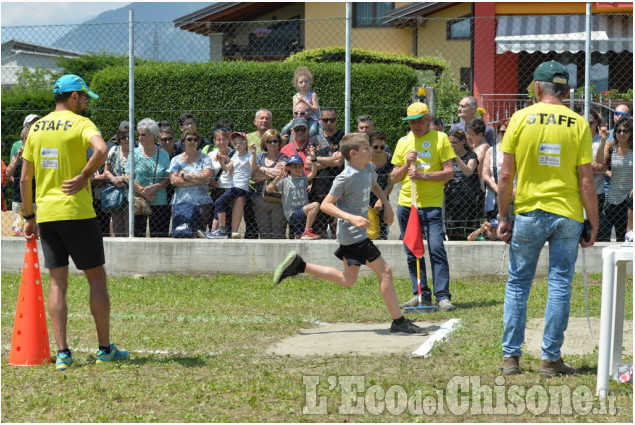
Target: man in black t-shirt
330,164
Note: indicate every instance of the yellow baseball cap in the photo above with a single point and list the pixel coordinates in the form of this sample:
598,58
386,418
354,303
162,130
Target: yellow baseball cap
417,110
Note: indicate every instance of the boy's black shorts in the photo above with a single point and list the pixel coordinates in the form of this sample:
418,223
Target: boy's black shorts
81,239
358,253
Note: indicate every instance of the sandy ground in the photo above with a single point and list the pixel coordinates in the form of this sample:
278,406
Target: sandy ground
375,338
353,338
577,338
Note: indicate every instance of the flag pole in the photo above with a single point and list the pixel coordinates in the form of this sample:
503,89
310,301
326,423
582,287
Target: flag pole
413,201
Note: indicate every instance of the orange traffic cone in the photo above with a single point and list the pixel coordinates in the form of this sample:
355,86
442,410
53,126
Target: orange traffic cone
30,341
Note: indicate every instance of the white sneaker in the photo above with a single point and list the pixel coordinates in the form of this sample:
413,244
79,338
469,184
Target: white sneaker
445,305
236,235
628,237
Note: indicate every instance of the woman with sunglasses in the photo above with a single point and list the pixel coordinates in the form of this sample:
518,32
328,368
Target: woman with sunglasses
115,171
270,217
619,158
383,167
600,133
461,210
190,173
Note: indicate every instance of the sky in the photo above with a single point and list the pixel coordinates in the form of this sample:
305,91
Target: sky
53,13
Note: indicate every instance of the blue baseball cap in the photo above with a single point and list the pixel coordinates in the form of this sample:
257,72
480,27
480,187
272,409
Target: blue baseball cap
295,159
70,83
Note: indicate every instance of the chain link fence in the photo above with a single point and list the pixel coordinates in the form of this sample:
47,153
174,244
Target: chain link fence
33,57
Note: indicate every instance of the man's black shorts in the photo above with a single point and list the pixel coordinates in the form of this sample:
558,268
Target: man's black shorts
358,253
81,239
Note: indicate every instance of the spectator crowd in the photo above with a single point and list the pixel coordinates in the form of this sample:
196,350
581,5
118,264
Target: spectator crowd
275,181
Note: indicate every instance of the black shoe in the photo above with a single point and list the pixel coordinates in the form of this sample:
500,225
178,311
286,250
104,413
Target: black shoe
290,266
407,327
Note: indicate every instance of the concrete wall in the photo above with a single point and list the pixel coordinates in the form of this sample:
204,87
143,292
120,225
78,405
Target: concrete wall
155,256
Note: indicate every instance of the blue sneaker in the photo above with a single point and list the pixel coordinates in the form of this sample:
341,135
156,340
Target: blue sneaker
115,354
64,361
217,234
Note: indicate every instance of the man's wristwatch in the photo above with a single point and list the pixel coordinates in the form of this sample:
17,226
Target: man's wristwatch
502,218
426,176
29,217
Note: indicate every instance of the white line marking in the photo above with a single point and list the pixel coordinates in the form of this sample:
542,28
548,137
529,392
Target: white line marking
438,336
199,318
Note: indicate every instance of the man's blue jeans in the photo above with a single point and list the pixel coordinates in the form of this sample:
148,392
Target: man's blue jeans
431,220
531,231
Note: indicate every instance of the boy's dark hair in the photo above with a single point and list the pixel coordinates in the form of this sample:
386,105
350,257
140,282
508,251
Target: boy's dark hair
438,122
184,116
478,125
352,142
165,125
377,134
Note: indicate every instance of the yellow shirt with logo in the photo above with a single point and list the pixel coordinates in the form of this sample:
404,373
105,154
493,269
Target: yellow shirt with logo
57,146
434,149
548,142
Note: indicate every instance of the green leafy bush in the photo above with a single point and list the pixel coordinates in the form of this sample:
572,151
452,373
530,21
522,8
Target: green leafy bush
337,54
17,104
235,90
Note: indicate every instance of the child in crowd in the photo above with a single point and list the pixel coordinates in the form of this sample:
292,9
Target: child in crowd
240,167
348,200
293,184
302,80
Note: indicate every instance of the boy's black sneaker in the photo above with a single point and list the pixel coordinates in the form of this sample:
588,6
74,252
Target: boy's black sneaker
407,327
290,266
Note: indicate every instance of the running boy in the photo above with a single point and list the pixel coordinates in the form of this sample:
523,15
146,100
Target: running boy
293,185
348,201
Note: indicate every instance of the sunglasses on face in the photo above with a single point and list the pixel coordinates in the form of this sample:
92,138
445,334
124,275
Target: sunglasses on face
620,114
329,119
124,137
167,139
272,141
299,114
190,139
142,135
622,131
299,129
592,122
379,147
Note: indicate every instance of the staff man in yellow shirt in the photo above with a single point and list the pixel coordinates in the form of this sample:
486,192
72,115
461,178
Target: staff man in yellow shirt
548,147
55,152
424,157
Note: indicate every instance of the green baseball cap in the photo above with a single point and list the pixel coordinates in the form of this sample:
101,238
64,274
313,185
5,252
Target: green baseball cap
552,72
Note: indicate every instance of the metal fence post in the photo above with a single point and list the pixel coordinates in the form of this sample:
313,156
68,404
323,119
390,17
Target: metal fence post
131,122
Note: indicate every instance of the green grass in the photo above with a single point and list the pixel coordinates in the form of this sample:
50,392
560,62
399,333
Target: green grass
197,347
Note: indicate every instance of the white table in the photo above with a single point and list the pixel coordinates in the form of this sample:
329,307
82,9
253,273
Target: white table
614,259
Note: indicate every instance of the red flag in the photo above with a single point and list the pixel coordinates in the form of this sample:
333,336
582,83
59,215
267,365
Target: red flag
413,237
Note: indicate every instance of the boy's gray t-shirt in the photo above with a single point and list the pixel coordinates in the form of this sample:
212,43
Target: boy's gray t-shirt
294,193
353,187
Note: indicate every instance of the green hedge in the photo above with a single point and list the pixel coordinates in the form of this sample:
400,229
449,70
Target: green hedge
16,105
338,54
235,90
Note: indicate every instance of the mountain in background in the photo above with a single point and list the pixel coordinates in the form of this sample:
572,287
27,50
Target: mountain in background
155,36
